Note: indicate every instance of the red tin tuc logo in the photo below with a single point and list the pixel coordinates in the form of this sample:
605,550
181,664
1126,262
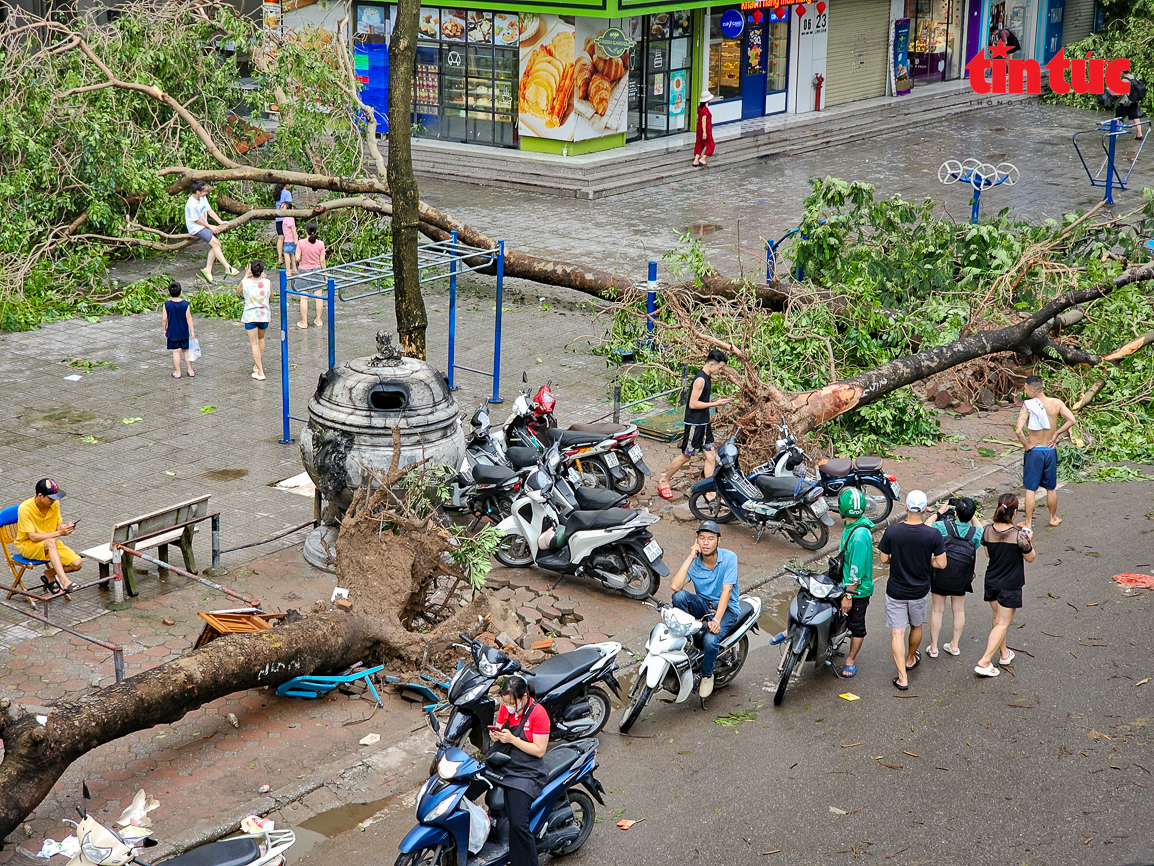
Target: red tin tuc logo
1082,75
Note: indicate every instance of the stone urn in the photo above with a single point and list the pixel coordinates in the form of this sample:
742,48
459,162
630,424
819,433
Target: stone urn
349,435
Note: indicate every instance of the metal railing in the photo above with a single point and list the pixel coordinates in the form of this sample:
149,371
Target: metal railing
618,405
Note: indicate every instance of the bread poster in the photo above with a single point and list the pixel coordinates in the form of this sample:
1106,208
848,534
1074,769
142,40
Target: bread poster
600,79
545,90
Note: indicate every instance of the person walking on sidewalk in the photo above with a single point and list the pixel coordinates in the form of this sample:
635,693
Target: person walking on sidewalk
196,215
256,289
1009,548
176,319
857,571
312,261
913,550
963,537
39,528
1039,418
698,435
703,146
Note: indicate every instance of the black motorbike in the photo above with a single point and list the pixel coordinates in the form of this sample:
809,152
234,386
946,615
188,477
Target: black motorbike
565,685
816,628
792,505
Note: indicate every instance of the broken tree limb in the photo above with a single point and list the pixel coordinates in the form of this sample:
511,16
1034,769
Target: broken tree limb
1090,394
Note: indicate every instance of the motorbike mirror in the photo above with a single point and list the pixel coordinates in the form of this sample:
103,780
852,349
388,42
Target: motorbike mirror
524,377
85,796
433,723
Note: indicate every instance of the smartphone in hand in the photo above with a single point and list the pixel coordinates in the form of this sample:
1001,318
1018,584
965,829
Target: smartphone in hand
494,727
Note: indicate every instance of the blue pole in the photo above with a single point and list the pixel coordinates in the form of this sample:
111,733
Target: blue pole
332,324
651,303
977,204
285,438
1109,199
769,262
452,309
497,328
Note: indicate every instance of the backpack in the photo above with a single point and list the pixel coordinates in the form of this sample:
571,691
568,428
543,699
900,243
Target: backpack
958,575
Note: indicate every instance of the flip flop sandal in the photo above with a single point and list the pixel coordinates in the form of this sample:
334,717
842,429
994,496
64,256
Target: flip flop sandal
899,686
931,653
205,275
954,651
848,672
665,492
1010,660
778,638
991,671
191,374
176,375
917,661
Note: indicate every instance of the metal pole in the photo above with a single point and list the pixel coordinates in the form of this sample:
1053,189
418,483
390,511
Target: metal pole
285,439
977,204
1109,199
650,305
160,563
617,403
117,652
497,326
769,262
118,663
332,323
117,577
216,541
452,308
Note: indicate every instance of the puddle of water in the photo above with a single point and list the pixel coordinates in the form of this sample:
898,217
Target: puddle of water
702,229
326,825
65,419
224,474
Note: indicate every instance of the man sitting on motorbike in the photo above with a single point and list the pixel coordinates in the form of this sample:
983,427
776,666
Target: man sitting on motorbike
713,572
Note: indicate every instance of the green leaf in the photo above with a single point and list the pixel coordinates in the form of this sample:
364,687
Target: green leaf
207,409
130,420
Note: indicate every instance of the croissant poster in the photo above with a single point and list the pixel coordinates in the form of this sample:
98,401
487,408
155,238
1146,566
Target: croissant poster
545,92
600,79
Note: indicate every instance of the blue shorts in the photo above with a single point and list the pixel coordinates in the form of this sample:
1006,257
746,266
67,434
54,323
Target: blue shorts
252,326
205,235
1040,468
178,344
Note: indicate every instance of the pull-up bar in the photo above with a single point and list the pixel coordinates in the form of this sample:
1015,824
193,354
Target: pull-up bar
1111,130
435,261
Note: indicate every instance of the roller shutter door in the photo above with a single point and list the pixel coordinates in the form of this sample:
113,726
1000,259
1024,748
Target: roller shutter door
1077,21
856,65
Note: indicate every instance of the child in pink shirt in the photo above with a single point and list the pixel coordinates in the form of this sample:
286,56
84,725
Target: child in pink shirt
312,260
289,227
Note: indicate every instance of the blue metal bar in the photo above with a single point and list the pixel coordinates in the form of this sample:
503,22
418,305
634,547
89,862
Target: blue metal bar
651,303
497,326
1113,134
452,310
285,438
332,324
977,205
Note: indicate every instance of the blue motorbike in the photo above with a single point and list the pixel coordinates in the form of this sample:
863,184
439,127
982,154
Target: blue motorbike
561,819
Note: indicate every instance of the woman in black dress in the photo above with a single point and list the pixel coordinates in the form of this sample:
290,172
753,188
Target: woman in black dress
1009,548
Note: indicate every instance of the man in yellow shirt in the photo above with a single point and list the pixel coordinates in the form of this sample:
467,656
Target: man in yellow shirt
38,528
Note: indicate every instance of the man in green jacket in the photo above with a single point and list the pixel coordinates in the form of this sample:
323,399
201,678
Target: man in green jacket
857,549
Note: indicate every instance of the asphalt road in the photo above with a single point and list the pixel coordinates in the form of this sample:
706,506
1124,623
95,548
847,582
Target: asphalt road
1049,763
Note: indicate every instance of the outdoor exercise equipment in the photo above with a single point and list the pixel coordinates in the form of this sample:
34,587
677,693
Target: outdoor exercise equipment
1110,131
435,261
979,175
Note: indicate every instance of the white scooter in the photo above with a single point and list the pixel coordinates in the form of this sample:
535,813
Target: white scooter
674,655
613,545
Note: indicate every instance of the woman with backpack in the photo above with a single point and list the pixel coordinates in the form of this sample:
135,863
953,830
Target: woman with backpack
1009,548
963,538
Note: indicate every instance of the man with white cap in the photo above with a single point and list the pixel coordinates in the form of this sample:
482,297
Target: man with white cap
913,550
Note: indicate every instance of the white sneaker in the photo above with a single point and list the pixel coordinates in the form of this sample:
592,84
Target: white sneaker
706,687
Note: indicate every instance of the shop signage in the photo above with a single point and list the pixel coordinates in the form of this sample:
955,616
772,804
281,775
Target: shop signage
613,42
677,93
765,4
1086,75
901,71
732,23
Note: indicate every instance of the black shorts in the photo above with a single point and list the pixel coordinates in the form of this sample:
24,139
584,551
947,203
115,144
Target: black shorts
178,344
279,229
697,437
1131,111
855,619
1005,597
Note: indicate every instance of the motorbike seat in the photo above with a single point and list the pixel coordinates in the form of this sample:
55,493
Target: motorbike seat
554,671
570,438
228,852
603,429
560,761
484,474
835,467
595,499
774,487
523,458
868,464
579,521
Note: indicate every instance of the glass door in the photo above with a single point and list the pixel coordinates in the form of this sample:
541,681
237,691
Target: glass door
753,81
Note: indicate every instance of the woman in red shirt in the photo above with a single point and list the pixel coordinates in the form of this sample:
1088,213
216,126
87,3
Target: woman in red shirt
703,147
523,735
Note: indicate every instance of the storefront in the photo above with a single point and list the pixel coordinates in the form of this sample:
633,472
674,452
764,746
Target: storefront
858,56
660,74
748,63
936,49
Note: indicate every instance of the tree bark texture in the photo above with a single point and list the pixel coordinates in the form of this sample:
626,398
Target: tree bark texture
36,755
412,320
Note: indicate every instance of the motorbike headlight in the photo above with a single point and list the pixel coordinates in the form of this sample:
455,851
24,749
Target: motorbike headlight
475,692
487,667
441,808
421,796
678,622
92,852
447,769
818,589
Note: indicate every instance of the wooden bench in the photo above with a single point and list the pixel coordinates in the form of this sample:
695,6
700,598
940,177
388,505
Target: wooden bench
157,529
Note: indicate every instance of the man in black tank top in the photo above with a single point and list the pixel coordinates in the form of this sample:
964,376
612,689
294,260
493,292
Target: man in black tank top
698,435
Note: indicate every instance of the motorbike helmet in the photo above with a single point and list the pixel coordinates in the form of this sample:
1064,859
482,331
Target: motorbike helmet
709,526
537,485
851,503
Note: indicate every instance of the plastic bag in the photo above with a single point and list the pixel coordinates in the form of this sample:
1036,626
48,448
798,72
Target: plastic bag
478,825
193,349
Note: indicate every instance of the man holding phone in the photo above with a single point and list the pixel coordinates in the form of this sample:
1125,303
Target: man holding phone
38,530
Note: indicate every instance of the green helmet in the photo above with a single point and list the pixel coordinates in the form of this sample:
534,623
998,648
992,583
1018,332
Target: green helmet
851,503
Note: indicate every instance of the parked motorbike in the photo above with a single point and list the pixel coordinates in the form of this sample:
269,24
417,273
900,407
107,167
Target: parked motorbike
880,488
566,685
561,817
816,628
482,496
103,846
789,504
612,546
673,656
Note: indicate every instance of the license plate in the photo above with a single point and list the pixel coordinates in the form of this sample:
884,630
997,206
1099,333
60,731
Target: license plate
820,507
634,453
653,551
611,461
897,489
574,475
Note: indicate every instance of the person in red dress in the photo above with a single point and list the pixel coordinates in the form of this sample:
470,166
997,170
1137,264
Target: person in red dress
703,147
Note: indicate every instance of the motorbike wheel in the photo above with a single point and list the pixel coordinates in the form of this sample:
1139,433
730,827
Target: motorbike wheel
641,581
730,663
706,509
601,706
816,533
790,664
878,505
513,551
638,697
585,814
598,472
428,857
634,479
